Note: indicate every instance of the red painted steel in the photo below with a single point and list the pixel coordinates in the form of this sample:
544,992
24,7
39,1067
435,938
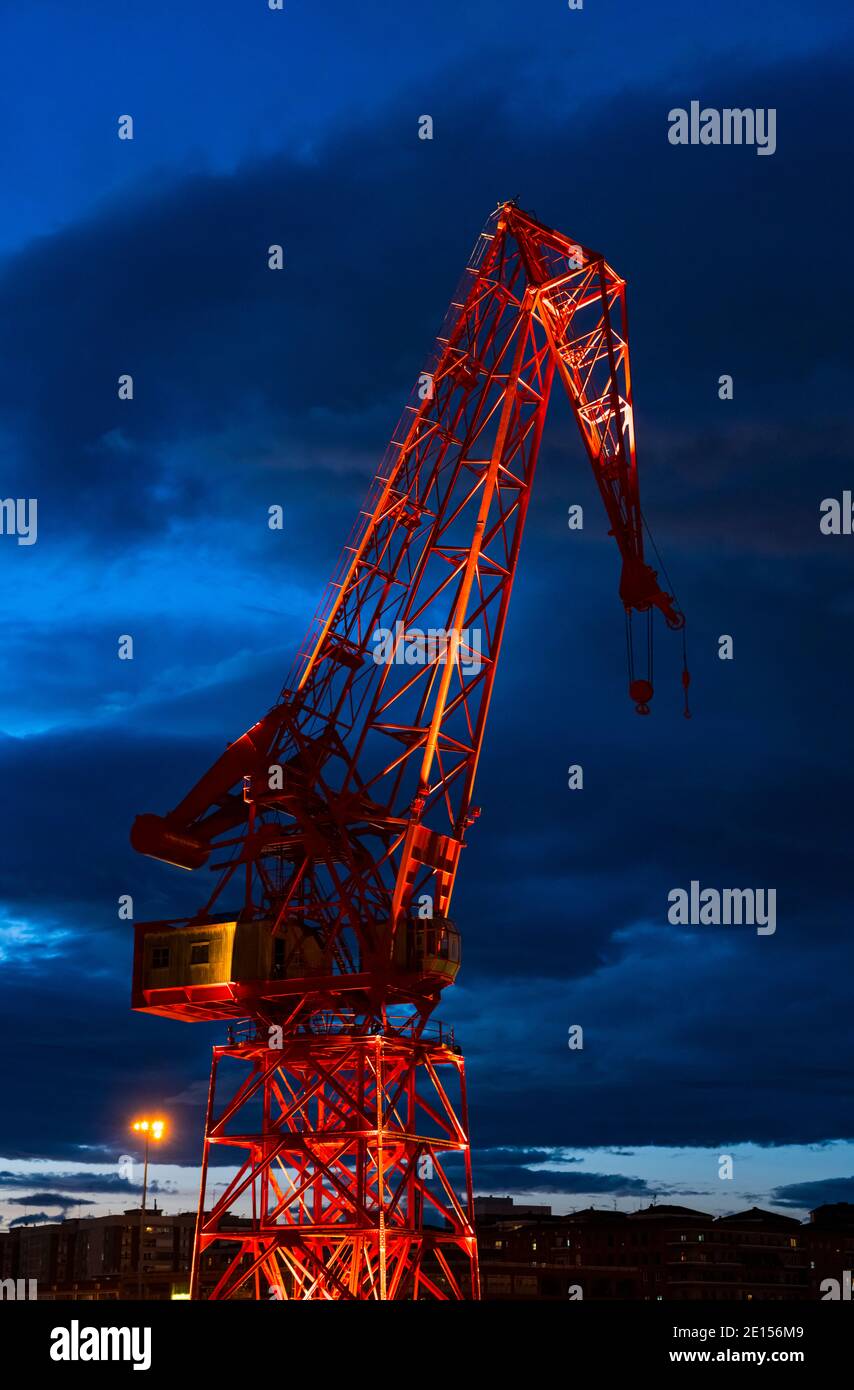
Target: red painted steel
346,1164
338,818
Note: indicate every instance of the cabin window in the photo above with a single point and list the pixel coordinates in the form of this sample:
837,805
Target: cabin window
445,944
200,953
159,957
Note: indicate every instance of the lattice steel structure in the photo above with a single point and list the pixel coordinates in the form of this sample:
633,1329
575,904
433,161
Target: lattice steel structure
338,819
345,1170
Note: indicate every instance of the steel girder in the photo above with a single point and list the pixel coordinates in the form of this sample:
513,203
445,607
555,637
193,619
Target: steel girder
349,1149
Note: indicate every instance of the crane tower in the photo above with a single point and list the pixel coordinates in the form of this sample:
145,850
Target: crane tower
336,823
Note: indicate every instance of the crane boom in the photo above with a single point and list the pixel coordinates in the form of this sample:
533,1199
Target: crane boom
386,745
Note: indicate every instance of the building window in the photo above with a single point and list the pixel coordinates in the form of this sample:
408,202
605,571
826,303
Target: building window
160,957
200,953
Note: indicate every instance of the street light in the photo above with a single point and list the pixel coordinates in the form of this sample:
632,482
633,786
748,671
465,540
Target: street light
151,1129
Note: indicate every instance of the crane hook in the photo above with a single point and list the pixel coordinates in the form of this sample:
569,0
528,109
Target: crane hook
640,689
641,692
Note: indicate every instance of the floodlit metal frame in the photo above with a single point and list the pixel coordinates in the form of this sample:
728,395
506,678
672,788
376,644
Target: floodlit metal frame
343,811
347,1173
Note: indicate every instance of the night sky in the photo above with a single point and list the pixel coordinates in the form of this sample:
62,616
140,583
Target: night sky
255,388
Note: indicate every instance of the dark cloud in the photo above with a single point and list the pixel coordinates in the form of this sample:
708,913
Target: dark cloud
49,1199
72,1182
243,375
514,1180
254,387
507,1170
815,1194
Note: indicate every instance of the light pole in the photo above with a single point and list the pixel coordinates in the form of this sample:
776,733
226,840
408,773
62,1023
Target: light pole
151,1129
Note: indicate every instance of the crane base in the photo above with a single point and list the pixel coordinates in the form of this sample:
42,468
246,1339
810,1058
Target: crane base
348,1151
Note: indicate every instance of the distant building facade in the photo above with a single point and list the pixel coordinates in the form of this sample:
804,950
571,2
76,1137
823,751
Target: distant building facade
97,1257
663,1253
659,1253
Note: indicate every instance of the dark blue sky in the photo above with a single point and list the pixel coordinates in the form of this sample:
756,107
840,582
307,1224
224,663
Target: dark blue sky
253,388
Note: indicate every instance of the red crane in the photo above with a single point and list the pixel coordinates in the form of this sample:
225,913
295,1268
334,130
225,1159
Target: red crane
337,821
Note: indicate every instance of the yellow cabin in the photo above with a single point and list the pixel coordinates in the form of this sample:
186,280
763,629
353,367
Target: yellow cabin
218,969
